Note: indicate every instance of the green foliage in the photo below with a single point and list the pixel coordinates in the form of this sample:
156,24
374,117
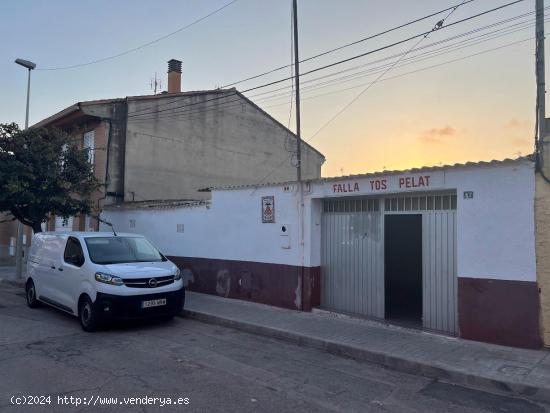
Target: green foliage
42,172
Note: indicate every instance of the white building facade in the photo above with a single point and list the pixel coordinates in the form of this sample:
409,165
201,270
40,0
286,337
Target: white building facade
448,249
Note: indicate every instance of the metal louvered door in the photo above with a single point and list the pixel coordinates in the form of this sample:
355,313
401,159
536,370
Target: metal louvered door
439,271
352,267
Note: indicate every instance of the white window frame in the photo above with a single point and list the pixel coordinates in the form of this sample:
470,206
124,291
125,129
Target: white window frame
89,143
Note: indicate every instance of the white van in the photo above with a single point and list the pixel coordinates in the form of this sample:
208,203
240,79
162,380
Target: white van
98,275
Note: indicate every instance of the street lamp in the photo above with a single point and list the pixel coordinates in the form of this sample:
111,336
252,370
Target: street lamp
20,229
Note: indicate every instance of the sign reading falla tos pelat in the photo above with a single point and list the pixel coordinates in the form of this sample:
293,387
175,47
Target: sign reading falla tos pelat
391,183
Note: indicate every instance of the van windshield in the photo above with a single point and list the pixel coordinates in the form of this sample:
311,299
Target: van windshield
117,250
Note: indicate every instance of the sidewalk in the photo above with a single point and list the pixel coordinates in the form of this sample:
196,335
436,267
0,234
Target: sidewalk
492,367
7,275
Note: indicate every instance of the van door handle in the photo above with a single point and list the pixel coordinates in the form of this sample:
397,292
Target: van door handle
52,267
60,269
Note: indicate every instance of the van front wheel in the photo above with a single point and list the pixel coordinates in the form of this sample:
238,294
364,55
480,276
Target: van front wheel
87,315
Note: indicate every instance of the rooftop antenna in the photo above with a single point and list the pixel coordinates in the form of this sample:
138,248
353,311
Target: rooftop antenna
108,224
155,84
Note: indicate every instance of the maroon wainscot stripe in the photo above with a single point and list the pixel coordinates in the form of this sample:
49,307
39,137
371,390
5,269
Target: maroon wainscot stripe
499,311
286,286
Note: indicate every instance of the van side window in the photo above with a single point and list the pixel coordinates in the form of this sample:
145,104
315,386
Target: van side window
73,252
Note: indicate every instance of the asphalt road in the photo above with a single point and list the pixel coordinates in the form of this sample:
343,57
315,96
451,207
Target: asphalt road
44,352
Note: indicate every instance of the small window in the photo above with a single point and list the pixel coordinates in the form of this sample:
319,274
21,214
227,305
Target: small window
73,252
179,228
89,144
132,223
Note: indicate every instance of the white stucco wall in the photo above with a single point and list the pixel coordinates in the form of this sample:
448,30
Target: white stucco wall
230,228
495,229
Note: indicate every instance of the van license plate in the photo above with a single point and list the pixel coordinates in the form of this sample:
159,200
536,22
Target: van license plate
153,303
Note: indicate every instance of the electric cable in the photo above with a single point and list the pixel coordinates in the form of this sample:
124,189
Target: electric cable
308,89
421,36
104,59
191,113
342,46
438,26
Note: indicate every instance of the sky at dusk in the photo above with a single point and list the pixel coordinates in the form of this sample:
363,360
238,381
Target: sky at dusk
467,97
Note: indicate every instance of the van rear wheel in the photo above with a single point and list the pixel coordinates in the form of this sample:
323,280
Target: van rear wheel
87,315
30,291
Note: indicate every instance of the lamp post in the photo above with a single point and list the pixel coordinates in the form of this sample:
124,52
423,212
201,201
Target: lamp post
20,229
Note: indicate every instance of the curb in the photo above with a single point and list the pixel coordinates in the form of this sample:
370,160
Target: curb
388,360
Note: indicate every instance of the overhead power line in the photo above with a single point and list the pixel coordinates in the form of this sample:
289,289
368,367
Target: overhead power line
422,69
405,62
104,59
268,95
472,41
147,111
136,112
507,29
421,35
199,111
344,45
439,25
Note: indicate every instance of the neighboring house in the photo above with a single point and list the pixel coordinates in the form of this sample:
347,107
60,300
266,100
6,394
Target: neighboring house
170,145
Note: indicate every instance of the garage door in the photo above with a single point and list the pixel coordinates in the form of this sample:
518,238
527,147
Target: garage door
352,268
439,271
352,256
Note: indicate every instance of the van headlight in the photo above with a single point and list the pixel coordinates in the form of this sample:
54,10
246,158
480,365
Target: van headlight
177,274
108,279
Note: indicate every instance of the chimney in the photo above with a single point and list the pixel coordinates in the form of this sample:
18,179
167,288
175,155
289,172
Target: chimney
174,76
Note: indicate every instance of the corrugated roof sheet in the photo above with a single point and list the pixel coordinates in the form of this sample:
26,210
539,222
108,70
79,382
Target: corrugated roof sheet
493,162
157,204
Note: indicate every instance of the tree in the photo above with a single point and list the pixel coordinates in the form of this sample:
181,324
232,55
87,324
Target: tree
42,172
